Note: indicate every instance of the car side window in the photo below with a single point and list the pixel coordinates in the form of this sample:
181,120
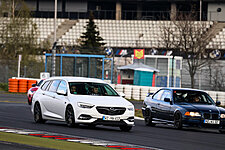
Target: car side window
45,85
54,86
166,94
62,87
158,95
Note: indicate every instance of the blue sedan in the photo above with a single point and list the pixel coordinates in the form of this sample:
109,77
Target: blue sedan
183,108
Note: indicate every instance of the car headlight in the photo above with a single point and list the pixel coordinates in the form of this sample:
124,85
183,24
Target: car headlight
130,108
193,114
85,105
222,115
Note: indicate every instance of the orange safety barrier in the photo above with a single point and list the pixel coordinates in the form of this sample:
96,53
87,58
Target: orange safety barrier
22,85
30,82
13,85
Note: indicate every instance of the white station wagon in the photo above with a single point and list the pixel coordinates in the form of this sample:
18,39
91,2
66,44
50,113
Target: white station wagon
78,100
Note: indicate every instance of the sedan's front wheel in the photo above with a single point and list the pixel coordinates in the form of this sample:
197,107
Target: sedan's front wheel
37,114
70,120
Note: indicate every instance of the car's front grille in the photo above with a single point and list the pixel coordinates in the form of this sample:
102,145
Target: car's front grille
111,110
210,116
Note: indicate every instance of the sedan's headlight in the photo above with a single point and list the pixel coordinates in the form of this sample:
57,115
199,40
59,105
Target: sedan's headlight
130,109
222,115
193,114
85,105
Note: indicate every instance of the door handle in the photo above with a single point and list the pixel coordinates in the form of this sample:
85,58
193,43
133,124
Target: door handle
158,104
43,93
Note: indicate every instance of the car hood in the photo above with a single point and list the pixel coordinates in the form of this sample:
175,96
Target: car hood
201,108
110,101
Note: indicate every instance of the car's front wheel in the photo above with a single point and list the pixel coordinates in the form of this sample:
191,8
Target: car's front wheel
125,128
148,118
38,114
178,120
70,119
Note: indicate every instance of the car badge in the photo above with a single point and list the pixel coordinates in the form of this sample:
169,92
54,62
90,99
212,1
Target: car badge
210,110
111,109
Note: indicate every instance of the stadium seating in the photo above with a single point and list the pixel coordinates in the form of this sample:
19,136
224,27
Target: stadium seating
117,33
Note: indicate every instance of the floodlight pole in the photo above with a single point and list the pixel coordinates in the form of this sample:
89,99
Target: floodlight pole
200,15
54,47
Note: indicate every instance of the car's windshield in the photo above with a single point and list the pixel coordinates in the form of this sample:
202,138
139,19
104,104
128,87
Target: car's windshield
89,88
195,97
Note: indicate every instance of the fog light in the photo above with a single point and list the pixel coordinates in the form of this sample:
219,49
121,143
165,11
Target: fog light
130,119
84,117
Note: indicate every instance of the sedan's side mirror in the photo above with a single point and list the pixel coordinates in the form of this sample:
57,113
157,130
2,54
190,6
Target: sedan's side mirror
62,92
218,103
122,95
33,85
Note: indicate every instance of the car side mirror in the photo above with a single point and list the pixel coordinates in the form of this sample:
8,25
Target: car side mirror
218,103
33,85
122,95
61,92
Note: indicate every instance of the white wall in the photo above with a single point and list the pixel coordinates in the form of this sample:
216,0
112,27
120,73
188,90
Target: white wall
213,14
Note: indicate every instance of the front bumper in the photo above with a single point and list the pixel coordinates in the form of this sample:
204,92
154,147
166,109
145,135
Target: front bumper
92,116
199,122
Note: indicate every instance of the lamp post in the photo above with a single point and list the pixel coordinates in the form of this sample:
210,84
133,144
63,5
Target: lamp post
200,15
54,45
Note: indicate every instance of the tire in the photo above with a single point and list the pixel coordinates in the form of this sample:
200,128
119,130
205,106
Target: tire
70,119
148,118
38,114
178,120
222,131
125,128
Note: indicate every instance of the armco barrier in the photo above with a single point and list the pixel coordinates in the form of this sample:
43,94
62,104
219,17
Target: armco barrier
140,92
13,85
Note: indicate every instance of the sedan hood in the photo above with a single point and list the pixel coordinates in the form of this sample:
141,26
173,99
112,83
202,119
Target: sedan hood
111,101
201,108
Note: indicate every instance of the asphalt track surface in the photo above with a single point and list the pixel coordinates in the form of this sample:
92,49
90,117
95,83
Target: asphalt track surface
15,112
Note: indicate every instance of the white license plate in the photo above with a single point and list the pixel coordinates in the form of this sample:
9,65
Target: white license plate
110,118
211,121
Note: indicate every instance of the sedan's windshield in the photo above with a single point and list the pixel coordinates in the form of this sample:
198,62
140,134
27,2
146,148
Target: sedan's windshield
89,88
195,97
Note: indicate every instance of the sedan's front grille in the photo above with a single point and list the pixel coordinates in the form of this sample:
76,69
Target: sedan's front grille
210,116
111,110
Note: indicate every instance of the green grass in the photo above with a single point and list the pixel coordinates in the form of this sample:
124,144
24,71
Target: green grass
46,142
3,86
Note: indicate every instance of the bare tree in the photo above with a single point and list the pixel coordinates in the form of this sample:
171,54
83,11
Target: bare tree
18,33
189,38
